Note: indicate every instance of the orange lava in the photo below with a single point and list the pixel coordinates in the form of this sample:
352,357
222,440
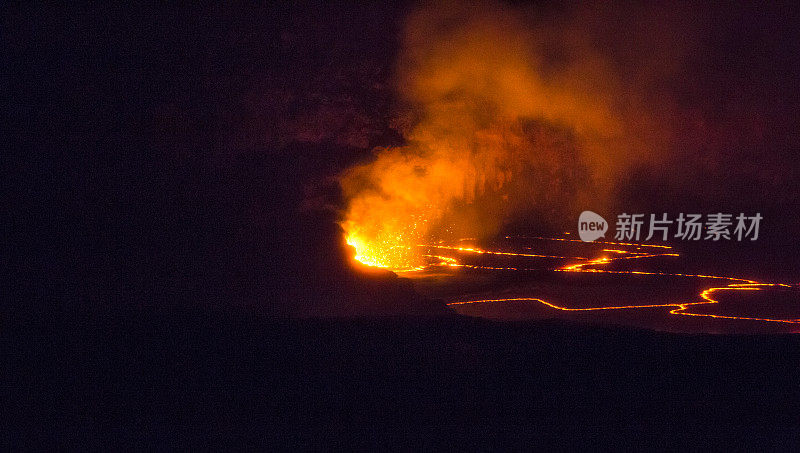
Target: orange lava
590,265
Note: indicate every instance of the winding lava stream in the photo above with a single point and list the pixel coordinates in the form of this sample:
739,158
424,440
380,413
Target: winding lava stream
591,265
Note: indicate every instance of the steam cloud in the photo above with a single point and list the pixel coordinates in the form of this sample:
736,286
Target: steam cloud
503,117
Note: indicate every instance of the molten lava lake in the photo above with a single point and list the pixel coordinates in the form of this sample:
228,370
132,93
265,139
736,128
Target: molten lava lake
606,282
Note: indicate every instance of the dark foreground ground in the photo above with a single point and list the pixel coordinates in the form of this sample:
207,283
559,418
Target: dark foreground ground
161,379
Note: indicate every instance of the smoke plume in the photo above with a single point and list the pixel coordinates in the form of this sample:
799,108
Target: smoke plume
504,118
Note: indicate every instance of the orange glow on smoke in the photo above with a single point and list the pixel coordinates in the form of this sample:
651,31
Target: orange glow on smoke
489,131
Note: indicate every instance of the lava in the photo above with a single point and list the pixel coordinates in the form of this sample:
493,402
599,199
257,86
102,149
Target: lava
706,294
579,264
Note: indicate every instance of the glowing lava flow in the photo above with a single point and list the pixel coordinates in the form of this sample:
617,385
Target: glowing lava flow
706,294
489,252
389,256
679,308
557,307
589,265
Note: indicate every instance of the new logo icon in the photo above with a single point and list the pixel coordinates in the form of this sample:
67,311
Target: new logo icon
591,226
